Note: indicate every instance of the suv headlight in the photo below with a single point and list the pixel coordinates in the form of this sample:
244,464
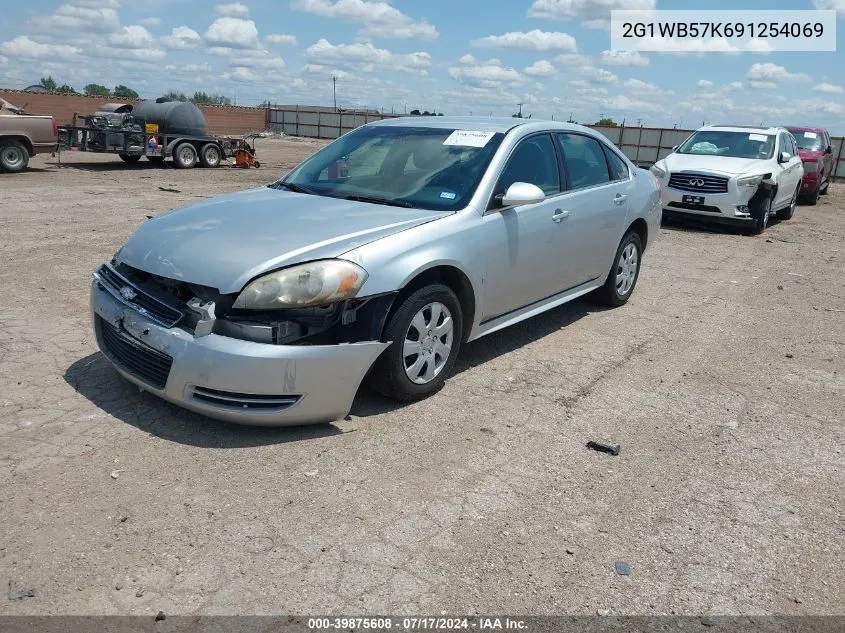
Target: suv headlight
315,283
658,171
750,181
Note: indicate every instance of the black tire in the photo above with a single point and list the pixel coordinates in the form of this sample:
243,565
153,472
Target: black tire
130,158
824,190
185,156
156,160
614,292
210,155
256,164
762,214
388,375
13,156
788,212
813,198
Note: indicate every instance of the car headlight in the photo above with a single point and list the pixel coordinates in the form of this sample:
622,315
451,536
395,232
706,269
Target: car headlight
657,171
315,283
750,181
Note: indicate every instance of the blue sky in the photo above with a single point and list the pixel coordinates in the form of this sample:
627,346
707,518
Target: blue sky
458,57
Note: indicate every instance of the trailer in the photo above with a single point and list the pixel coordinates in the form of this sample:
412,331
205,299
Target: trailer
152,130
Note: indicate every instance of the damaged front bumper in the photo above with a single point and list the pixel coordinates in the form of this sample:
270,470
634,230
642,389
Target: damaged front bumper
230,379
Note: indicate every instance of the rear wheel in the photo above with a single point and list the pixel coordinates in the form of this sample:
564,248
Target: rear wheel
426,332
185,156
210,155
13,156
823,191
624,274
130,158
813,198
788,212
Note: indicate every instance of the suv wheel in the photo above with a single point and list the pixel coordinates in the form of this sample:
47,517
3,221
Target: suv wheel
426,331
764,212
788,212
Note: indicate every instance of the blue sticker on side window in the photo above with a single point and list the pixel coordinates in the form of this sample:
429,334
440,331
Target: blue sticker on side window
448,195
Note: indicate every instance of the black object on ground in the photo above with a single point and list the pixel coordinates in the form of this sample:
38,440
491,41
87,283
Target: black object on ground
160,616
612,449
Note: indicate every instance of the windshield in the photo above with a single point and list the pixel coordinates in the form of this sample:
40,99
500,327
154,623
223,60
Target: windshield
808,140
733,144
427,168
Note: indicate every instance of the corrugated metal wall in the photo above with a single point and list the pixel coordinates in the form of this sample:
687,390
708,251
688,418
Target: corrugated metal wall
643,146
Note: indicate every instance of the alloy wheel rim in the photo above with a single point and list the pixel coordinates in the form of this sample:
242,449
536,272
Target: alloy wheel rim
428,343
626,269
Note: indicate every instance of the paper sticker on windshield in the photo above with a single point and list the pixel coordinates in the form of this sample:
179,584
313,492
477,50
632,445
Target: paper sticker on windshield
758,137
448,195
810,135
468,138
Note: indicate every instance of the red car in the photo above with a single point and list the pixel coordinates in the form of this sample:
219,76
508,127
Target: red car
816,153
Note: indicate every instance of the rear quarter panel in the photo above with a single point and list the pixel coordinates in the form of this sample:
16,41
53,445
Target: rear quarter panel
37,131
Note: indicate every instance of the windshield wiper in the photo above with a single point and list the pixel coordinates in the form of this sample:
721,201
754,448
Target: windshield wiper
279,184
376,200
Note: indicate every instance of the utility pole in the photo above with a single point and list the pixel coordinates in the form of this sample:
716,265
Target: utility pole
639,122
519,116
334,91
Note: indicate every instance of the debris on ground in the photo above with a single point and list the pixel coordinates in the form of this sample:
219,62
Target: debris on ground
170,189
140,593
20,594
115,474
160,616
622,568
612,449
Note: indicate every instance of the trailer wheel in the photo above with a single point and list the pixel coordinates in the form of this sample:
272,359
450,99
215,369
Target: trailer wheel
210,155
130,158
13,156
185,156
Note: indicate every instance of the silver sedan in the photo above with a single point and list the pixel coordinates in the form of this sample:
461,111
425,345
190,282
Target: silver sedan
376,258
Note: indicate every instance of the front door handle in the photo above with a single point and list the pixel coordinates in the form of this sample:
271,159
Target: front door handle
619,198
559,215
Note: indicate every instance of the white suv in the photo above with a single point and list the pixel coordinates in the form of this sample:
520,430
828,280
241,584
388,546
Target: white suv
732,174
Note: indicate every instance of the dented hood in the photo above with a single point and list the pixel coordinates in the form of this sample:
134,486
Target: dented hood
717,164
228,240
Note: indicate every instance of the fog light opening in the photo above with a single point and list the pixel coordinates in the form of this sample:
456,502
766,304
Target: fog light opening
742,211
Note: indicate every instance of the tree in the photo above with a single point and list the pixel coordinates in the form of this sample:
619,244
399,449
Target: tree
49,83
97,90
122,92
607,122
66,89
415,112
203,98
174,96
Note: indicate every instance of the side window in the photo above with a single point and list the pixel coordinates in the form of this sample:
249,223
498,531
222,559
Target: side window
585,162
783,144
618,168
534,161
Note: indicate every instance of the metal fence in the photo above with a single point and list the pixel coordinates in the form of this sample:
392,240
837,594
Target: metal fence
643,145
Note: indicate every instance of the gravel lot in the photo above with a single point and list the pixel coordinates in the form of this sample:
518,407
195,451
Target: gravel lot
723,380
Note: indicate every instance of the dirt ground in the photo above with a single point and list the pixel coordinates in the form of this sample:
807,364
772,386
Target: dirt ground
723,380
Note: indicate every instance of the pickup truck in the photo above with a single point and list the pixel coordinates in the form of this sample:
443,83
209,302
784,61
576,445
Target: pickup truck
24,135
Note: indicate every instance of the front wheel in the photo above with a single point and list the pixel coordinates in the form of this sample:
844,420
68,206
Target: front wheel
624,274
426,332
764,212
13,156
185,156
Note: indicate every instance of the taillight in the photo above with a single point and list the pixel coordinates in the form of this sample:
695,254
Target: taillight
55,127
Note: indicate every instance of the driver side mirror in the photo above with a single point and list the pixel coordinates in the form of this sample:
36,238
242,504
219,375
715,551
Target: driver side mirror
522,193
828,150
784,157
675,148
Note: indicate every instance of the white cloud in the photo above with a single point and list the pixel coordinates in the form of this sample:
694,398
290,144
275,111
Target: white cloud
81,16
769,72
541,68
628,105
133,37
604,76
594,13
23,46
468,59
704,83
366,57
232,10
489,74
378,17
762,85
535,40
734,86
624,58
242,74
831,89
584,87
638,85
818,107
150,22
281,38
181,38
834,5
575,60
232,33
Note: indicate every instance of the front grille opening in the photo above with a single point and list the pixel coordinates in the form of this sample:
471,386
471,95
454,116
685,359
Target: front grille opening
242,401
132,294
695,207
134,357
698,183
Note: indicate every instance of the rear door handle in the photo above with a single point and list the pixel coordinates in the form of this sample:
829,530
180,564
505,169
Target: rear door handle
619,198
559,215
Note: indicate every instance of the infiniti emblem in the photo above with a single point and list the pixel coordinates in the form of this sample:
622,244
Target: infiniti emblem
127,293
696,182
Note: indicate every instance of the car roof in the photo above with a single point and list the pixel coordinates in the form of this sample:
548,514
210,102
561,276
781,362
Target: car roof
481,124
743,128
798,128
